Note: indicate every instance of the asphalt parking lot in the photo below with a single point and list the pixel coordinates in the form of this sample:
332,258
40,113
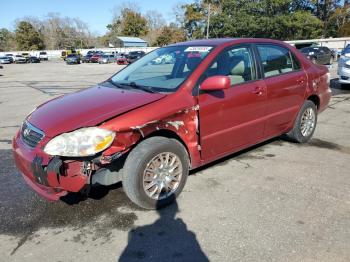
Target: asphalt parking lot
278,201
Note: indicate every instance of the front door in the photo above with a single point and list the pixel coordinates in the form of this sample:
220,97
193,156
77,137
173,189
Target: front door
233,118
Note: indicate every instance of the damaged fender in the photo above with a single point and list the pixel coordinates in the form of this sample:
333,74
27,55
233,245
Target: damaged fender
183,122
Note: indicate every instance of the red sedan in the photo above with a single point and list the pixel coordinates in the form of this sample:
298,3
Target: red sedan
95,58
148,125
122,59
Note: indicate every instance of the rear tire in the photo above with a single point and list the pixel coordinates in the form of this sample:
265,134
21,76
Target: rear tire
305,123
150,168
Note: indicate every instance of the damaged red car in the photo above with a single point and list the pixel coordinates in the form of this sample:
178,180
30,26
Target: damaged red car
149,124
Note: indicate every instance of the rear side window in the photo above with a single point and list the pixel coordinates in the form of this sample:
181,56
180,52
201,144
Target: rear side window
296,63
276,60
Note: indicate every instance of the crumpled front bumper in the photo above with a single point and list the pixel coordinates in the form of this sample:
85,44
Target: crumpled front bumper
50,177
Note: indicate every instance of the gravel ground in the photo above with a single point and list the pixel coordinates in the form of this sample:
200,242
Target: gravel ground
277,201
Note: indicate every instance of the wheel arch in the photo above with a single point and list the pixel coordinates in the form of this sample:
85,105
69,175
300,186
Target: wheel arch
315,99
168,134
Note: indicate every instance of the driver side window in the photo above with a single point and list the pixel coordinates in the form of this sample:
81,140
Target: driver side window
236,63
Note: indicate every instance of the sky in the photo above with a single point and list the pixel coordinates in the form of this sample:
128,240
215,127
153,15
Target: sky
97,14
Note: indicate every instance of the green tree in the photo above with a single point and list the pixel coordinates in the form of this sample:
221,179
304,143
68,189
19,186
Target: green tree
129,23
6,40
170,34
265,18
27,38
194,20
134,24
324,9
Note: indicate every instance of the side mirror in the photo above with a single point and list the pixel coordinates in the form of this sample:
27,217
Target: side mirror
216,83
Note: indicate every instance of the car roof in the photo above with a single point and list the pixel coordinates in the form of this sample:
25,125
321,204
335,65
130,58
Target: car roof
221,41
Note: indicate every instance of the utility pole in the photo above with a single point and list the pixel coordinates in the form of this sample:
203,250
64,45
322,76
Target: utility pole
208,20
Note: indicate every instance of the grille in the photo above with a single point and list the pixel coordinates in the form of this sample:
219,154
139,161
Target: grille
31,135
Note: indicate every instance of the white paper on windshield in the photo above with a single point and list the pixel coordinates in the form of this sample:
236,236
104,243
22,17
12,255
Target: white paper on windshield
198,49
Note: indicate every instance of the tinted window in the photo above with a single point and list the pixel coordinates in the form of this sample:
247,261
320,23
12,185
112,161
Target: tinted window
236,63
275,60
326,49
296,63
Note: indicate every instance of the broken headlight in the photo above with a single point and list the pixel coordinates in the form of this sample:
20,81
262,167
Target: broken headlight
82,142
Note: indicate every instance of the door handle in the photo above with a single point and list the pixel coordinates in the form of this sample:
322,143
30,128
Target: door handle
301,80
258,91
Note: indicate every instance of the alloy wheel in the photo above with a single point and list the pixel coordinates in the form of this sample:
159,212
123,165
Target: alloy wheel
162,175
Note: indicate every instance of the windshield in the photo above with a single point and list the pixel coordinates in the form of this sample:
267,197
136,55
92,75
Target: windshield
164,69
309,49
346,51
72,55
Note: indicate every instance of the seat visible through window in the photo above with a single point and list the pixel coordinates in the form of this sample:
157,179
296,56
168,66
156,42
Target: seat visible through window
275,59
235,63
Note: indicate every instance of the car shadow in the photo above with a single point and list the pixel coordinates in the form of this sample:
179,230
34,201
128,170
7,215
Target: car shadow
24,213
167,239
95,193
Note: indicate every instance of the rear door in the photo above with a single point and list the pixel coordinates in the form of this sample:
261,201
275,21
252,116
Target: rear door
233,118
286,85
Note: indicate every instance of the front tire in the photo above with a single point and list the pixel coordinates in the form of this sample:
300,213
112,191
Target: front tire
155,172
305,124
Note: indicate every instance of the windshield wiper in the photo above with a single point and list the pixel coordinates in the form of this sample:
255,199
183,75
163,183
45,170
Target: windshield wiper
137,86
115,84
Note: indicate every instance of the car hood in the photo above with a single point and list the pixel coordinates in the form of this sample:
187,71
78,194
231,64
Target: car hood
88,107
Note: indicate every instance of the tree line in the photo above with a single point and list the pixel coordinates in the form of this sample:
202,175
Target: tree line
278,19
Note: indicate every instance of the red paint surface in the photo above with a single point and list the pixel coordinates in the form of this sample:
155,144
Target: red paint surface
216,83
211,125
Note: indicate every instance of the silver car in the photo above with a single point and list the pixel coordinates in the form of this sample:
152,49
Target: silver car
344,66
5,60
107,58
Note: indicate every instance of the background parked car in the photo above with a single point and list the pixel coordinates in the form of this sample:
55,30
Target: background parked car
95,58
43,56
26,56
86,58
344,66
5,60
33,59
92,52
65,53
73,59
11,57
122,59
318,55
19,59
345,52
165,59
134,55
107,58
